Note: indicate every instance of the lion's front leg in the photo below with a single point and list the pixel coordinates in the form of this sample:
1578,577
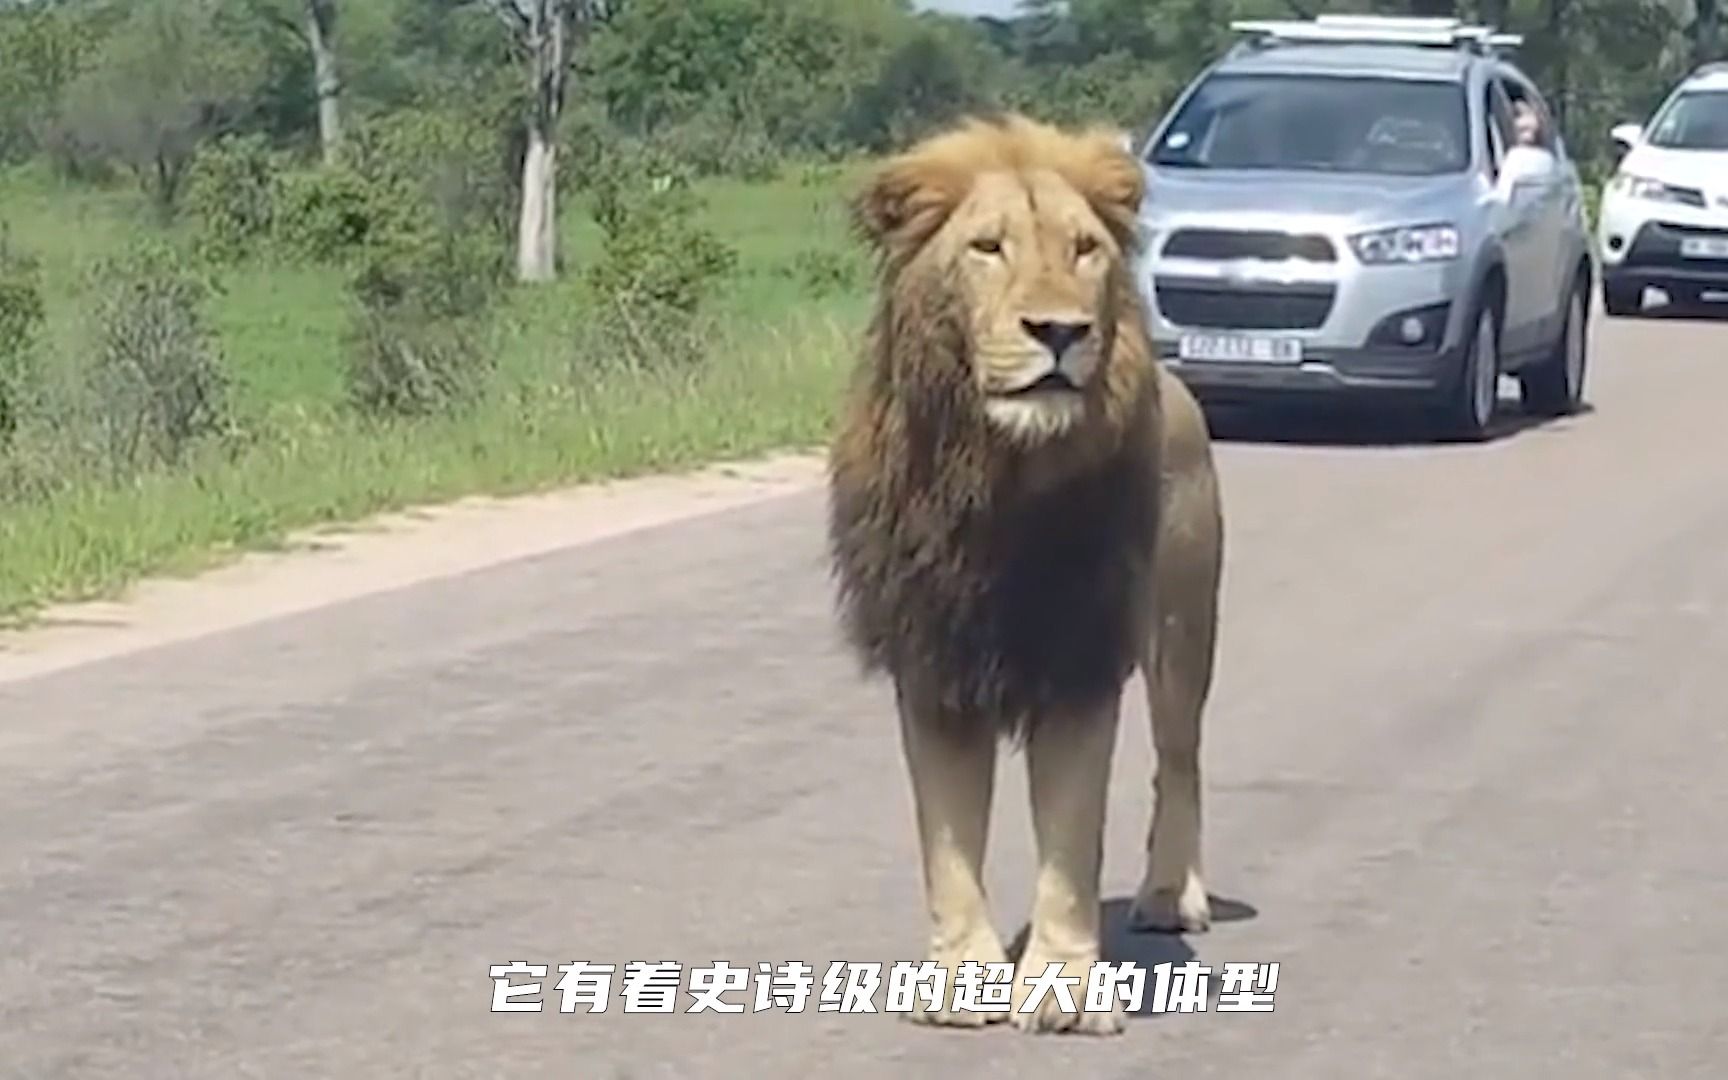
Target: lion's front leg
1068,763
953,776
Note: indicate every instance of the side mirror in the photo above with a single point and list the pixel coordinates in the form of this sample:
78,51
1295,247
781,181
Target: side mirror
1627,135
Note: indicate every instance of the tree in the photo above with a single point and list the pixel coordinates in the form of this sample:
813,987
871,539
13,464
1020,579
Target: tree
321,39
544,33
311,25
165,79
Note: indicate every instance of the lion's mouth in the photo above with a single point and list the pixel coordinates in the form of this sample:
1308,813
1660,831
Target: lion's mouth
1049,382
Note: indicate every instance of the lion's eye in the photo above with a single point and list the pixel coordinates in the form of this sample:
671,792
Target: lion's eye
1085,245
987,245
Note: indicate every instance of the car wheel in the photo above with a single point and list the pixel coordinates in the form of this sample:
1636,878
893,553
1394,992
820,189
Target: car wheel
1555,387
1622,301
1469,413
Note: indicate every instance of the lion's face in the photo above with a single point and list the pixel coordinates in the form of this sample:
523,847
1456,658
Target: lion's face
1031,264
1017,233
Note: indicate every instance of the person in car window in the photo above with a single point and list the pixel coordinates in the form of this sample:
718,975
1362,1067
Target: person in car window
1527,125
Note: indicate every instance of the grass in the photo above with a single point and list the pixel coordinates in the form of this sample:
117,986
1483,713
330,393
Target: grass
778,350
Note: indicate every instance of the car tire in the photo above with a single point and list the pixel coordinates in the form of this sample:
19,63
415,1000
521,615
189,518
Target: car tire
1622,300
1468,413
1555,386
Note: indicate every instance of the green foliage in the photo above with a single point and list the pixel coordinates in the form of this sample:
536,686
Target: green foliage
403,364
932,75
156,374
42,49
820,272
21,318
327,214
657,264
788,70
429,219
166,78
233,195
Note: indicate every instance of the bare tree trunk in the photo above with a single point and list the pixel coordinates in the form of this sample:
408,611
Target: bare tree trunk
321,36
544,31
537,233
549,29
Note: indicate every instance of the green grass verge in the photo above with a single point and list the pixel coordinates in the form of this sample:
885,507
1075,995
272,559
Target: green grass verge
771,380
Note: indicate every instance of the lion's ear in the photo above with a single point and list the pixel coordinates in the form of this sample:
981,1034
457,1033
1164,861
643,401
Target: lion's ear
904,202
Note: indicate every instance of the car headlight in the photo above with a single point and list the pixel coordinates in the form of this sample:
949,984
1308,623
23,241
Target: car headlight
1643,187
1412,244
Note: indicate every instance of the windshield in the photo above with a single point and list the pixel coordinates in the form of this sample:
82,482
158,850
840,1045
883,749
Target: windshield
1383,127
1697,120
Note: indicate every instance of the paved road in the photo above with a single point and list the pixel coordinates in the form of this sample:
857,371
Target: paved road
1468,774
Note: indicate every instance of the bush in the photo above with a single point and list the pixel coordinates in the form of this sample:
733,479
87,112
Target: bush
653,247
711,143
404,364
21,318
430,212
157,373
657,265
822,273
329,214
233,194
452,166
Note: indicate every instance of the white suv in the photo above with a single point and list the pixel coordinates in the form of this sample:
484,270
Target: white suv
1664,219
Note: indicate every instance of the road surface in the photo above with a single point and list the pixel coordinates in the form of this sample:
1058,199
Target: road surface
1467,783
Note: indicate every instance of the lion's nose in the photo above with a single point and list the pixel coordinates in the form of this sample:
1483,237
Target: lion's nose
1056,336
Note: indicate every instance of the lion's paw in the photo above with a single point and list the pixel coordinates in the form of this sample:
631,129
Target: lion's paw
1172,911
1042,1007
972,976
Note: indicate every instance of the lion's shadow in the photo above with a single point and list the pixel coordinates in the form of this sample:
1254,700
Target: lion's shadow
1146,950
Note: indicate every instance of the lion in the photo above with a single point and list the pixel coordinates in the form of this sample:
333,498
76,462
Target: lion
1023,511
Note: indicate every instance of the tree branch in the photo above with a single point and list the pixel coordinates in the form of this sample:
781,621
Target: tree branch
512,15
271,15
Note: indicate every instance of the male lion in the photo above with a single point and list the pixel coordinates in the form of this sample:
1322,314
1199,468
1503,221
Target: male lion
1023,510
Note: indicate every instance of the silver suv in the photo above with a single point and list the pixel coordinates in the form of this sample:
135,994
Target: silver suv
1369,208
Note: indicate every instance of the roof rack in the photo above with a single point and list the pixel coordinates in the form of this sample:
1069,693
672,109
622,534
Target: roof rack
1377,30
1714,67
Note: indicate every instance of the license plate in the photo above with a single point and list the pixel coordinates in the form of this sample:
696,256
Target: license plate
1704,247
1240,349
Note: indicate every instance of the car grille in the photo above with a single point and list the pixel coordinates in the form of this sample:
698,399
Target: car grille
1658,244
1248,244
1213,308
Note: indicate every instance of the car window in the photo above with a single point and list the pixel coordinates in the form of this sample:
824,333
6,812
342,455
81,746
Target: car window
1320,123
1694,120
1498,128
1521,94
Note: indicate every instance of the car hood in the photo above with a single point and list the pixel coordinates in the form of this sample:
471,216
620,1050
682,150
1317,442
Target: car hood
1301,200
1706,170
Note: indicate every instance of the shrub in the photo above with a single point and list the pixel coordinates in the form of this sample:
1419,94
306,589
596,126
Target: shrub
232,195
21,318
452,166
402,363
653,248
823,273
711,143
330,213
656,266
156,369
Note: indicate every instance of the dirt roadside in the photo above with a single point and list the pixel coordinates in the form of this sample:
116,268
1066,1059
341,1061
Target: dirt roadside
391,551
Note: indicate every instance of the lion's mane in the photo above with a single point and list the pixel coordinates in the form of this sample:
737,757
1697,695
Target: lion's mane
999,582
